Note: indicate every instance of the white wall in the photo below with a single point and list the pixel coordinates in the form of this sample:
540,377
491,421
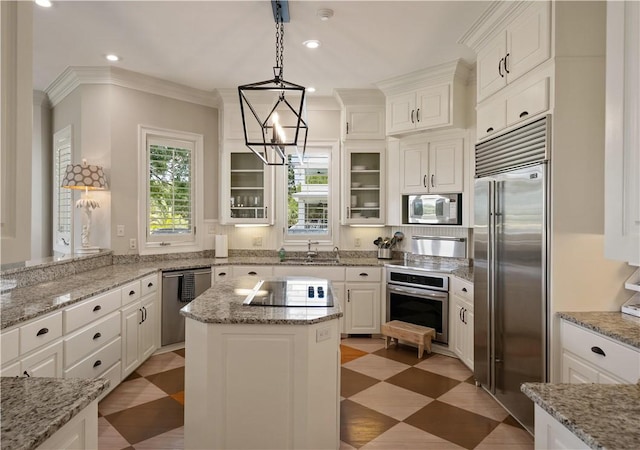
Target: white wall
41,176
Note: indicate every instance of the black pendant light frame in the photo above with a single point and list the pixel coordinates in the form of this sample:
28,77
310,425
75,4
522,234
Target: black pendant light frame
271,148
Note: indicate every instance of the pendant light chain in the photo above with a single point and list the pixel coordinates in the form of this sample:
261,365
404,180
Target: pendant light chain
279,40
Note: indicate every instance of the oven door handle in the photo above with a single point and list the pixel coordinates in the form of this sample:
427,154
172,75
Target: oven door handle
419,292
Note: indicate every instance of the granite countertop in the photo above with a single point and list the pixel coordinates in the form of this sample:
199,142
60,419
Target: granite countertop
33,409
604,416
223,304
621,327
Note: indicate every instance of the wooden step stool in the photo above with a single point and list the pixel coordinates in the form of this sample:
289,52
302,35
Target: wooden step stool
416,334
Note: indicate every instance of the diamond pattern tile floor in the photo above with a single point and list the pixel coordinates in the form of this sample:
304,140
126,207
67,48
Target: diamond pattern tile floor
390,400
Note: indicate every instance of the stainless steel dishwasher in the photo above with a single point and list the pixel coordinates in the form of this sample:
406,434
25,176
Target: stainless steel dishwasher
179,287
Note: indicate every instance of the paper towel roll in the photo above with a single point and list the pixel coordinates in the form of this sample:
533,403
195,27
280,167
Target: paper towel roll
221,247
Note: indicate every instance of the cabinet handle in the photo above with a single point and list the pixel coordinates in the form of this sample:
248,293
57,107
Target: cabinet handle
506,64
42,331
97,336
26,374
489,130
424,180
252,273
144,308
347,127
598,350
149,285
266,212
418,114
464,289
97,363
97,308
222,274
524,114
460,314
464,315
364,274
141,316
132,293
432,177
412,112
348,295
348,213
500,68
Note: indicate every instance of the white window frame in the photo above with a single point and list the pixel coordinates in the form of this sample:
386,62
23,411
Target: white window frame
332,238
178,243
62,241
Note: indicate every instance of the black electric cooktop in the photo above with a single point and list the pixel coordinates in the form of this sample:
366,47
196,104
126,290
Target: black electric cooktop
299,292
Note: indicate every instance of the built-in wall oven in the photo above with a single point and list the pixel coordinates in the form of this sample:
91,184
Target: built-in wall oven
419,297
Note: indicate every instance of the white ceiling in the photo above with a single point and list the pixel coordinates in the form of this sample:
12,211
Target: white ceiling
221,44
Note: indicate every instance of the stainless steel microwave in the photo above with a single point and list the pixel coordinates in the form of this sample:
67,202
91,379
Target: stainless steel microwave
432,209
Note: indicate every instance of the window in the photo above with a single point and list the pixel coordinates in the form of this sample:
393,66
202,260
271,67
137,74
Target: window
309,195
62,198
170,208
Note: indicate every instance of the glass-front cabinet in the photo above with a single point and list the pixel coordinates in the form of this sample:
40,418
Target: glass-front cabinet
247,193
363,187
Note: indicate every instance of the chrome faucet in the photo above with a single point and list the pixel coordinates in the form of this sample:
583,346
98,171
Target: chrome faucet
337,252
311,253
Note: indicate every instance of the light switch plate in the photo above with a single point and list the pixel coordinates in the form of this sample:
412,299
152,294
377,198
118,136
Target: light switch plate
120,230
322,334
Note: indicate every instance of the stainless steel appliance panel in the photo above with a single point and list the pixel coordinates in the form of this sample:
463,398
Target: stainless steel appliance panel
432,209
173,324
510,286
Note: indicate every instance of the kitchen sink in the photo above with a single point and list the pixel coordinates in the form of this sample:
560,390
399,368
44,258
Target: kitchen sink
313,261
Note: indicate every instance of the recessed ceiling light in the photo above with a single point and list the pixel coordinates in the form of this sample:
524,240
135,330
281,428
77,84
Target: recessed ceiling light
311,89
44,3
311,43
325,14
113,58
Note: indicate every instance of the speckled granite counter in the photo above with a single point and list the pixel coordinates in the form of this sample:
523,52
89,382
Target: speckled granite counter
616,325
223,304
33,409
604,416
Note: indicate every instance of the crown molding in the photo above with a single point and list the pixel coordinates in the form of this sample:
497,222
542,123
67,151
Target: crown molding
456,70
74,76
353,97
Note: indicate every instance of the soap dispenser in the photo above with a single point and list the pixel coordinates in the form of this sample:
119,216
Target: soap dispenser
281,254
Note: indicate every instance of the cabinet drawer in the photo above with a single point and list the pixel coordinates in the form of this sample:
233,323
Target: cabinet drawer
329,273
254,271
619,360
9,345
148,285
40,332
130,292
90,339
368,274
89,310
531,100
95,364
222,273
491,118
462,289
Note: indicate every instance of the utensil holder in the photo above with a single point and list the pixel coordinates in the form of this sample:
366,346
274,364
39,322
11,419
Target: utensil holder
384,253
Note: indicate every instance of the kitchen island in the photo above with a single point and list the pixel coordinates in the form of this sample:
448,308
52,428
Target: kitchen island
261,376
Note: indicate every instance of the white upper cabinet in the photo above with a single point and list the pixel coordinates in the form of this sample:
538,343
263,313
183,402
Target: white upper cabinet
364,183
363,113
432,166
428,99
622,139
514,50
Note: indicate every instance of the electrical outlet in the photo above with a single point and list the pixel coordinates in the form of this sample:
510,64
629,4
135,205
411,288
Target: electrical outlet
120,230
257,241
357,242
132,244
323,334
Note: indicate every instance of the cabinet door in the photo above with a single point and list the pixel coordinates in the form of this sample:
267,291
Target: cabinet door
131,320
44,363
490,70
531,100
11,370
149,328
467,354
363,200
364,122
433,107
491,117
401,110
528,40
458,330
362,311
414,167
445,166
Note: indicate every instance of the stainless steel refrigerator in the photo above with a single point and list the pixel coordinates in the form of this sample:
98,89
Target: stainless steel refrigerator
510,266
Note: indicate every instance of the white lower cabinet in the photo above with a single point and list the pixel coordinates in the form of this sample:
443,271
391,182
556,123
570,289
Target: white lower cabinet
150,327
81,432
589,357
462,309
44,363
551,434
252,271
362,306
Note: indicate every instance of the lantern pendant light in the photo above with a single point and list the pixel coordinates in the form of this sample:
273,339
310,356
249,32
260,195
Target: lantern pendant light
272,110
